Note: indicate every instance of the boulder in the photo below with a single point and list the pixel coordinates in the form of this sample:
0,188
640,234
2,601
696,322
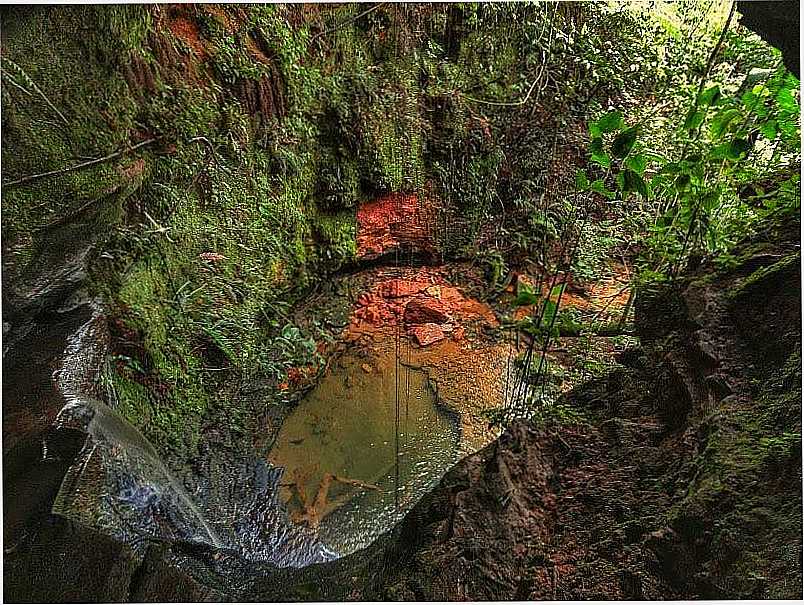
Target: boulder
401,288
424,309
427,334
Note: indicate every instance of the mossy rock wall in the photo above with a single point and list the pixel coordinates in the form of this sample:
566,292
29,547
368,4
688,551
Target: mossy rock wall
239,142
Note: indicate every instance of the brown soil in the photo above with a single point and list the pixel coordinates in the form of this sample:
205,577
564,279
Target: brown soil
185,28
604,299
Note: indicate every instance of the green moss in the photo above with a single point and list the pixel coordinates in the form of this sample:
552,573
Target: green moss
229,215
338,234
759,279
748,480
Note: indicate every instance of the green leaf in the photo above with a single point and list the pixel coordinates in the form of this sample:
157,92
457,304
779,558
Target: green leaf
599,187
721,122
637,163
682,182
695,118
624,142
633,182
749,99
710,200
603,159
581,180
786,100
769,130
753,101
610,122
557,291
709,96
550,309
525,298
789,128
731,150
657,181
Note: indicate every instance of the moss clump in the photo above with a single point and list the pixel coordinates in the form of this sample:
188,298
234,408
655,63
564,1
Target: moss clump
776,274
744,502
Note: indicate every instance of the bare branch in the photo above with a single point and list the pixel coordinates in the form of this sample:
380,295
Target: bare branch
36,177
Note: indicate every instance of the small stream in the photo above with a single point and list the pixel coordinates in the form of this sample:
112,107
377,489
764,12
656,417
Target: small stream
338,449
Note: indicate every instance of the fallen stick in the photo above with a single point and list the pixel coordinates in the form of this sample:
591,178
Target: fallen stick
35,177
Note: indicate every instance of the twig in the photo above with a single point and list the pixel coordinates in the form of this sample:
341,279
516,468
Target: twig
35,177
511,104
38,90
347,22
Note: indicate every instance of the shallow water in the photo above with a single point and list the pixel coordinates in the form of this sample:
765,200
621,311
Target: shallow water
338,449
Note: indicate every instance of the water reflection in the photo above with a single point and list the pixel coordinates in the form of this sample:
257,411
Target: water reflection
338,450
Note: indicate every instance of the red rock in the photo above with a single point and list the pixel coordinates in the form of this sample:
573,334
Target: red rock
388,222
423,309
399,288
295,376
427,334
458,334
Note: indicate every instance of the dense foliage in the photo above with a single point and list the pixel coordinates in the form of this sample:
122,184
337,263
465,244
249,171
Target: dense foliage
259,129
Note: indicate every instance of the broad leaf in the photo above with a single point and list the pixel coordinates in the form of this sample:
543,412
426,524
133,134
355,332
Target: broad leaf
557,291
581,180
637,163
710,96
710,200
769,130
732,150
624,142
598,187
602,158
633,182
695,118
720,123
786,100
611,121
525,296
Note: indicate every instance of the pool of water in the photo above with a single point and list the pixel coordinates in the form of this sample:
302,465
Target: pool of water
338,449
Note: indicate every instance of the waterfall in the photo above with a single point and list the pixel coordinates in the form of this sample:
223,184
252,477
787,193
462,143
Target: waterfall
120,485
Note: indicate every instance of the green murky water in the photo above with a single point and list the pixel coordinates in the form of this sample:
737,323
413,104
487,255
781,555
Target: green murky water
338,449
